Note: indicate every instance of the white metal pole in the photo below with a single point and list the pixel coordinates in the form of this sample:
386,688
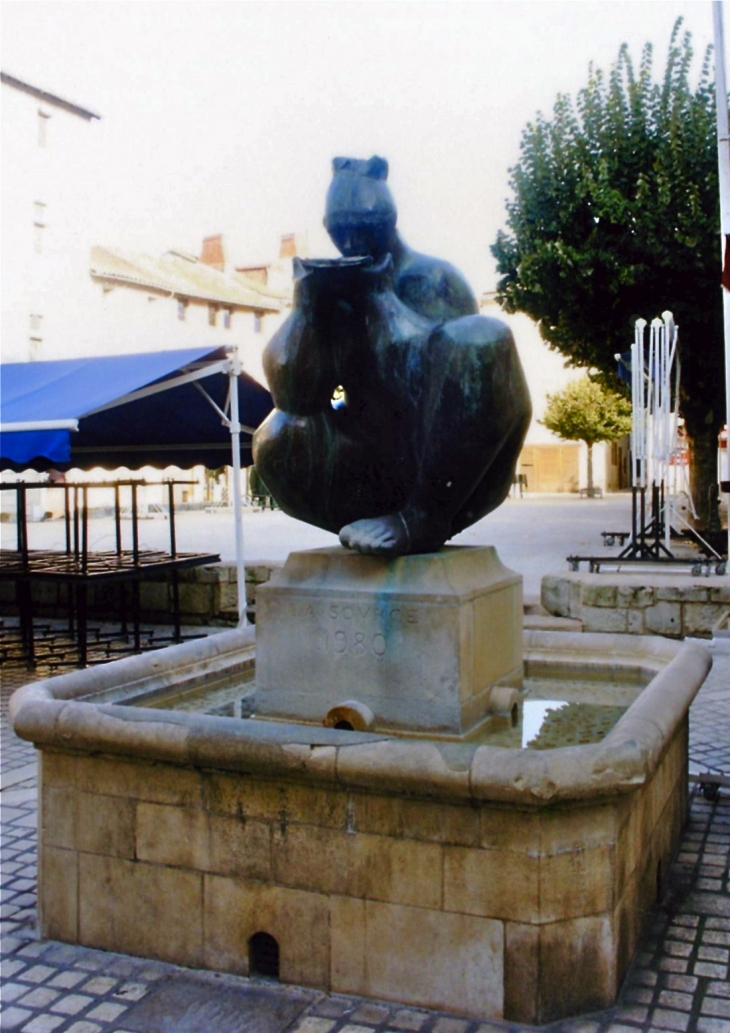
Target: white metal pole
723,160
235,428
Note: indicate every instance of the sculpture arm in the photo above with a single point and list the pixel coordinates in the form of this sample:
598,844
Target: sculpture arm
300,374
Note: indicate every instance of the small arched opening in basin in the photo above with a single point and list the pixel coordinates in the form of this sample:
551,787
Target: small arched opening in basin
263,956
350,716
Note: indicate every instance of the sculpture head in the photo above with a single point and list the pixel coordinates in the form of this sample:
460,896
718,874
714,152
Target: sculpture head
360,215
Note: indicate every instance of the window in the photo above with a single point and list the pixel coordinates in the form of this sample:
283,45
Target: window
35,331
227,318
39,224
182,309
43,117
212,315
258,322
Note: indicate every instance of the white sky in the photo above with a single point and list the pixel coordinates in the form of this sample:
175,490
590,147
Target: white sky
224,116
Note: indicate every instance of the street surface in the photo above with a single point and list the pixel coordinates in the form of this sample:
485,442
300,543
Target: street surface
533,535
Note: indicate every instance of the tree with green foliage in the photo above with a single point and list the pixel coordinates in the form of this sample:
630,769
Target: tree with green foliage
587,411
615,216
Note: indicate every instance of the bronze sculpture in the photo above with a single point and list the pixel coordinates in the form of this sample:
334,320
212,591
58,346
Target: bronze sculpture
400,412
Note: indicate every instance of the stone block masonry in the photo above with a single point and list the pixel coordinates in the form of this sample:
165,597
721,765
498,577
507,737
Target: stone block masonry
363,891
208,595
673,605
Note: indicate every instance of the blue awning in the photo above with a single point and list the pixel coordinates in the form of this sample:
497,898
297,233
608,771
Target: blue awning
153,409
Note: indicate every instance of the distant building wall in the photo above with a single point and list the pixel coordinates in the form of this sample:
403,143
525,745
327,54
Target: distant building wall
48,154
136,319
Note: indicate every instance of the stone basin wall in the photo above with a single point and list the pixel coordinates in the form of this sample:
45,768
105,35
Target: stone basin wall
676,606
495,883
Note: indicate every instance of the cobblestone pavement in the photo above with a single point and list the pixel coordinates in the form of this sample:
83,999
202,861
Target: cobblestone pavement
679,981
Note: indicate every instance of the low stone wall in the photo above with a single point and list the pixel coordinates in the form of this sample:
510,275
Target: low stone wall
676,606
208,595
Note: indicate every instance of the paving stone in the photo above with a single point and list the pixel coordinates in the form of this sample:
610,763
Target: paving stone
43,1024
708,1025
314,1024
68,980
14,1018
679,932
10,944
41,997
687,984
711,904
372,1013
719,989
674,999
38,974
707,968
131,991
673,965
645,977
124,968
99,985
149,975
664,1018
334,1007
72,1004
408,1020
190,1006
718,1006
12,991
84,1027
713,954
61,954
33,950
446,1025
107,1011
12,966
631,1014
640,995
92,962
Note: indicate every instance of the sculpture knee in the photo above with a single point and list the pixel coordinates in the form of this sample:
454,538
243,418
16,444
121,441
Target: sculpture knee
281,444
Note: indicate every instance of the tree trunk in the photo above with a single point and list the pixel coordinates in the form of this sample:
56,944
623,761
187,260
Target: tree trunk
590,470
703,477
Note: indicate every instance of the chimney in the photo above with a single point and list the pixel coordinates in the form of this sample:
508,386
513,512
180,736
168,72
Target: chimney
288,246
212,252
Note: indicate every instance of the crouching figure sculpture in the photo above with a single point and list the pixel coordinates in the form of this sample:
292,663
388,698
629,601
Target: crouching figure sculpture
400,412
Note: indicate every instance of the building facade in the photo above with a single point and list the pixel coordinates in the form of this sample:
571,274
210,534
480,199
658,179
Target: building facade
47,152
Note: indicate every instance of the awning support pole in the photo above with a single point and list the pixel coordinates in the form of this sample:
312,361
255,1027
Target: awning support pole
234,371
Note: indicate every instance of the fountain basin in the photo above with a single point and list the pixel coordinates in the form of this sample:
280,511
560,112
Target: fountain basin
491,882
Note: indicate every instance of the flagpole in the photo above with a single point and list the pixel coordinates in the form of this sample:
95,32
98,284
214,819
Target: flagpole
723,159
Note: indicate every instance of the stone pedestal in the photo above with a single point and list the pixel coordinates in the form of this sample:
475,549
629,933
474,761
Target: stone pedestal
419,641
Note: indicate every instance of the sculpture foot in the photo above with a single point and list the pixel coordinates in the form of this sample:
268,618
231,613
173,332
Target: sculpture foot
377,536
